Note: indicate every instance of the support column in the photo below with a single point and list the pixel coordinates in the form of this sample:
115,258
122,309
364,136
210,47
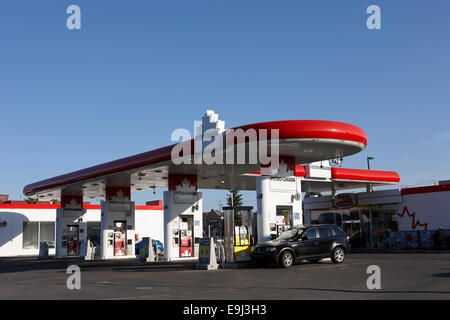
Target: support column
279,201
117,235
183,217
71,226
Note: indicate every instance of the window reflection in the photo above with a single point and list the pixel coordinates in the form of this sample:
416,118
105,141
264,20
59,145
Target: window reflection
367,226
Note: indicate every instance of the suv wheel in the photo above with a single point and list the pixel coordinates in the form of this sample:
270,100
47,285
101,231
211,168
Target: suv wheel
287,259
338,255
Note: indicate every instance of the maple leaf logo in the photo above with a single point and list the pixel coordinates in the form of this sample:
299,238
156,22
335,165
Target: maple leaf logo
120,196
283,170
185,185
73,204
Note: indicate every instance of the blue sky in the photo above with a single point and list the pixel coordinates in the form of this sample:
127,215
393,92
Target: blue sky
139,69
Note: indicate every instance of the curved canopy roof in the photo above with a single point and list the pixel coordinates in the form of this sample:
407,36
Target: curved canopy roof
306,140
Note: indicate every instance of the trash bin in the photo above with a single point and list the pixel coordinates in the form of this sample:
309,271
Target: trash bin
43,250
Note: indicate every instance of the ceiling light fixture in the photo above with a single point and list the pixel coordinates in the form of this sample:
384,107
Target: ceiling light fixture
140,175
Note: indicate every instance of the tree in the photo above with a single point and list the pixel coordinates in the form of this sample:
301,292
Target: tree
31,200
237,201
237,198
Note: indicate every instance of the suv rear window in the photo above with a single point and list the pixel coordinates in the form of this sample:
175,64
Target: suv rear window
325,232
311,233
338,231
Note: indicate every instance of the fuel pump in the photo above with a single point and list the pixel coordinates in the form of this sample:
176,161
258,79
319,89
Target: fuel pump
186,244
240,233
119,238
72,240
284,219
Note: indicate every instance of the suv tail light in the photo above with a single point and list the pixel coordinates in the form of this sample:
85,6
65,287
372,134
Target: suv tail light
348,239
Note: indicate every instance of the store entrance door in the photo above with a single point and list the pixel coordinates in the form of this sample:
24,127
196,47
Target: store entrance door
353,230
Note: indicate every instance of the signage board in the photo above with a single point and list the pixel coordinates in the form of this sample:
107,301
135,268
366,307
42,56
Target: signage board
203,256
318,170
187,197
116,205
143,249
83,248
282,183
345,200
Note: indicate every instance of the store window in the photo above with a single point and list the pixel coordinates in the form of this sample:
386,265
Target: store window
367,226
93,232
47,231
30,235
383,221
326,217
36,232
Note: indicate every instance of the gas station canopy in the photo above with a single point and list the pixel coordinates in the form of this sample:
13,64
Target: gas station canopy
305,140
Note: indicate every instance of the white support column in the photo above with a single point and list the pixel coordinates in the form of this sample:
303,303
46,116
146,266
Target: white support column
263,206
117,233
182,202
280,191
71,226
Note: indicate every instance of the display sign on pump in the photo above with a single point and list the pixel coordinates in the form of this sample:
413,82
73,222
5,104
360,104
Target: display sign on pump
119,239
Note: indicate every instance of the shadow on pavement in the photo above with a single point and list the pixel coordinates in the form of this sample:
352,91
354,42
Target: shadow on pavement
443,275
33,264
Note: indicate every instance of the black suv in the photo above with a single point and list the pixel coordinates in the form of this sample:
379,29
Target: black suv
306,242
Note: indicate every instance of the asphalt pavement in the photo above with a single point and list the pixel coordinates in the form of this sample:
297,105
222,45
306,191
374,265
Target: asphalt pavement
403,276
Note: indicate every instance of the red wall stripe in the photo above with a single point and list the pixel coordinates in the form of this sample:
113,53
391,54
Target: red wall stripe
427,189
56,206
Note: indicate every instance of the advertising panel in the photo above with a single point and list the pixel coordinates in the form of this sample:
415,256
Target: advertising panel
426,239
400,240
411,240
203,257
143,249
243,253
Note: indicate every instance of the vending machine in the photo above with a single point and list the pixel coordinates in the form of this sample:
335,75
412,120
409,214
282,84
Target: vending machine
120,238
186,244
72,240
